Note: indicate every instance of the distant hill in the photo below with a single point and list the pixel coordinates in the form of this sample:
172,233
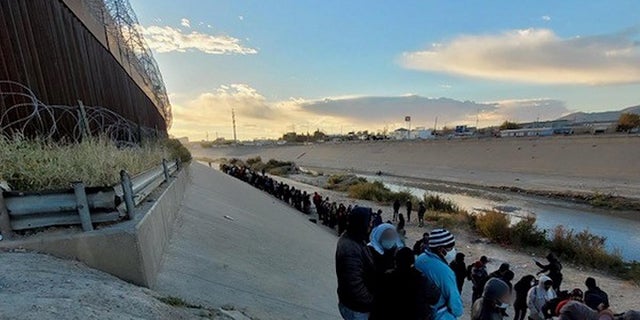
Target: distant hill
599,116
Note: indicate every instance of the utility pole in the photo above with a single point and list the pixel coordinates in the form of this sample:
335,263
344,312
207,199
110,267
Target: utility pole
233,118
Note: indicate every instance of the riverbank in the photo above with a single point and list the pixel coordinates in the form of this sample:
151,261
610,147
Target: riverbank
603,165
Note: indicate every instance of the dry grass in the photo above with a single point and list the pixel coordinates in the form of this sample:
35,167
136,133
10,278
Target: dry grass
34,165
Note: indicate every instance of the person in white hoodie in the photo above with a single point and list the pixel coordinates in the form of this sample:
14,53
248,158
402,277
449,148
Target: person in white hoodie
538,296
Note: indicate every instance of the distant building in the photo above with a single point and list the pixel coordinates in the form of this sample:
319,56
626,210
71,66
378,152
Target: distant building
463,131
400,134
417,133
527,132
421,133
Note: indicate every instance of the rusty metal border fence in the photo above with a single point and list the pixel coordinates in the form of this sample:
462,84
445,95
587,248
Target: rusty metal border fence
62,58
80,205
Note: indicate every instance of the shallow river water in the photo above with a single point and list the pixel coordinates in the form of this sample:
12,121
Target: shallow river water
622,234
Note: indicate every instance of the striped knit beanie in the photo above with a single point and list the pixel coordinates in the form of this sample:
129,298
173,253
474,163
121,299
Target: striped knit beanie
441,238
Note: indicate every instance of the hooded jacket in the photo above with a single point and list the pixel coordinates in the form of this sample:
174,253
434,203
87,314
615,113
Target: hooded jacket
486,308
354,264
537,298
449,306
383,259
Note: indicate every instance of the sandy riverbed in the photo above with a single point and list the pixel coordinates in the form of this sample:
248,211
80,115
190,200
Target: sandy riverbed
592,164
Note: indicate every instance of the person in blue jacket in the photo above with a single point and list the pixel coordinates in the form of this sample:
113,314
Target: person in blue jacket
434,264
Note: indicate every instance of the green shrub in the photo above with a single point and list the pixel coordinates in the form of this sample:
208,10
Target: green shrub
38,164
374,191
252,161
584,248
525,233
437,203
177,150
495,226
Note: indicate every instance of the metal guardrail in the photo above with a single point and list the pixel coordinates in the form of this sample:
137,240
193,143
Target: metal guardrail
80,205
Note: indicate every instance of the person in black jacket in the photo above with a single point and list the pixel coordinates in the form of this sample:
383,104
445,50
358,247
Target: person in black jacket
405,293
354,267
409,208
422,209
554,269
522,288
460,269
396,210
594,296
421,244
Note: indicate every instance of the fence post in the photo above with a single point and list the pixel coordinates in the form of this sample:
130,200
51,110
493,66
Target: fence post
83,206
125,182
165,168
84,122
5,222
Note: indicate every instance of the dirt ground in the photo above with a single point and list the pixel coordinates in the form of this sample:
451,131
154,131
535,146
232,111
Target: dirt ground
623,295
36,286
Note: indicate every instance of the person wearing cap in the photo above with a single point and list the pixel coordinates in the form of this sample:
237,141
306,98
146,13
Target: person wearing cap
354,267
434,264
539,296
493,303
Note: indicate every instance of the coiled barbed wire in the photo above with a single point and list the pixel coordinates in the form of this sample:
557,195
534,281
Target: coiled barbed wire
27,116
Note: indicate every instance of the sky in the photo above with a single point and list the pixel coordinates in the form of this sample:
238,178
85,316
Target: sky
340,66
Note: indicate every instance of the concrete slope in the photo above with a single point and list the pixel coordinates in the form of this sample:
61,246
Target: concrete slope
235,245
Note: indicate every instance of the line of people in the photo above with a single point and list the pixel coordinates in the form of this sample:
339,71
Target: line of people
380,278
330,214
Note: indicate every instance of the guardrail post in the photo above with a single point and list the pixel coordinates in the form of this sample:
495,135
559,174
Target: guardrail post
165,169
127,190
83,206
5,222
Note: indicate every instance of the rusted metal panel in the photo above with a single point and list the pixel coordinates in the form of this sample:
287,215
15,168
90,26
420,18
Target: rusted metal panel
45,46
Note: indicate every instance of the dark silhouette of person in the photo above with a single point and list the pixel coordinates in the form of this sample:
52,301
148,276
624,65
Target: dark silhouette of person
396,210
405,293
354,267
460,269
594,296
409,208
522,288
554,269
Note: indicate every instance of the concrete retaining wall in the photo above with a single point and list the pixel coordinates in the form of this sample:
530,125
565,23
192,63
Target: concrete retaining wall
131,250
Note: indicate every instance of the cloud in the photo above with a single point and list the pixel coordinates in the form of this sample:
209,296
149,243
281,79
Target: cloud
546,18
524,110
257,117
185,23
167,39
535,56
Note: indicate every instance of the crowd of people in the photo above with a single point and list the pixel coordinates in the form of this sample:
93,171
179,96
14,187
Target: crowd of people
380,278
331,214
